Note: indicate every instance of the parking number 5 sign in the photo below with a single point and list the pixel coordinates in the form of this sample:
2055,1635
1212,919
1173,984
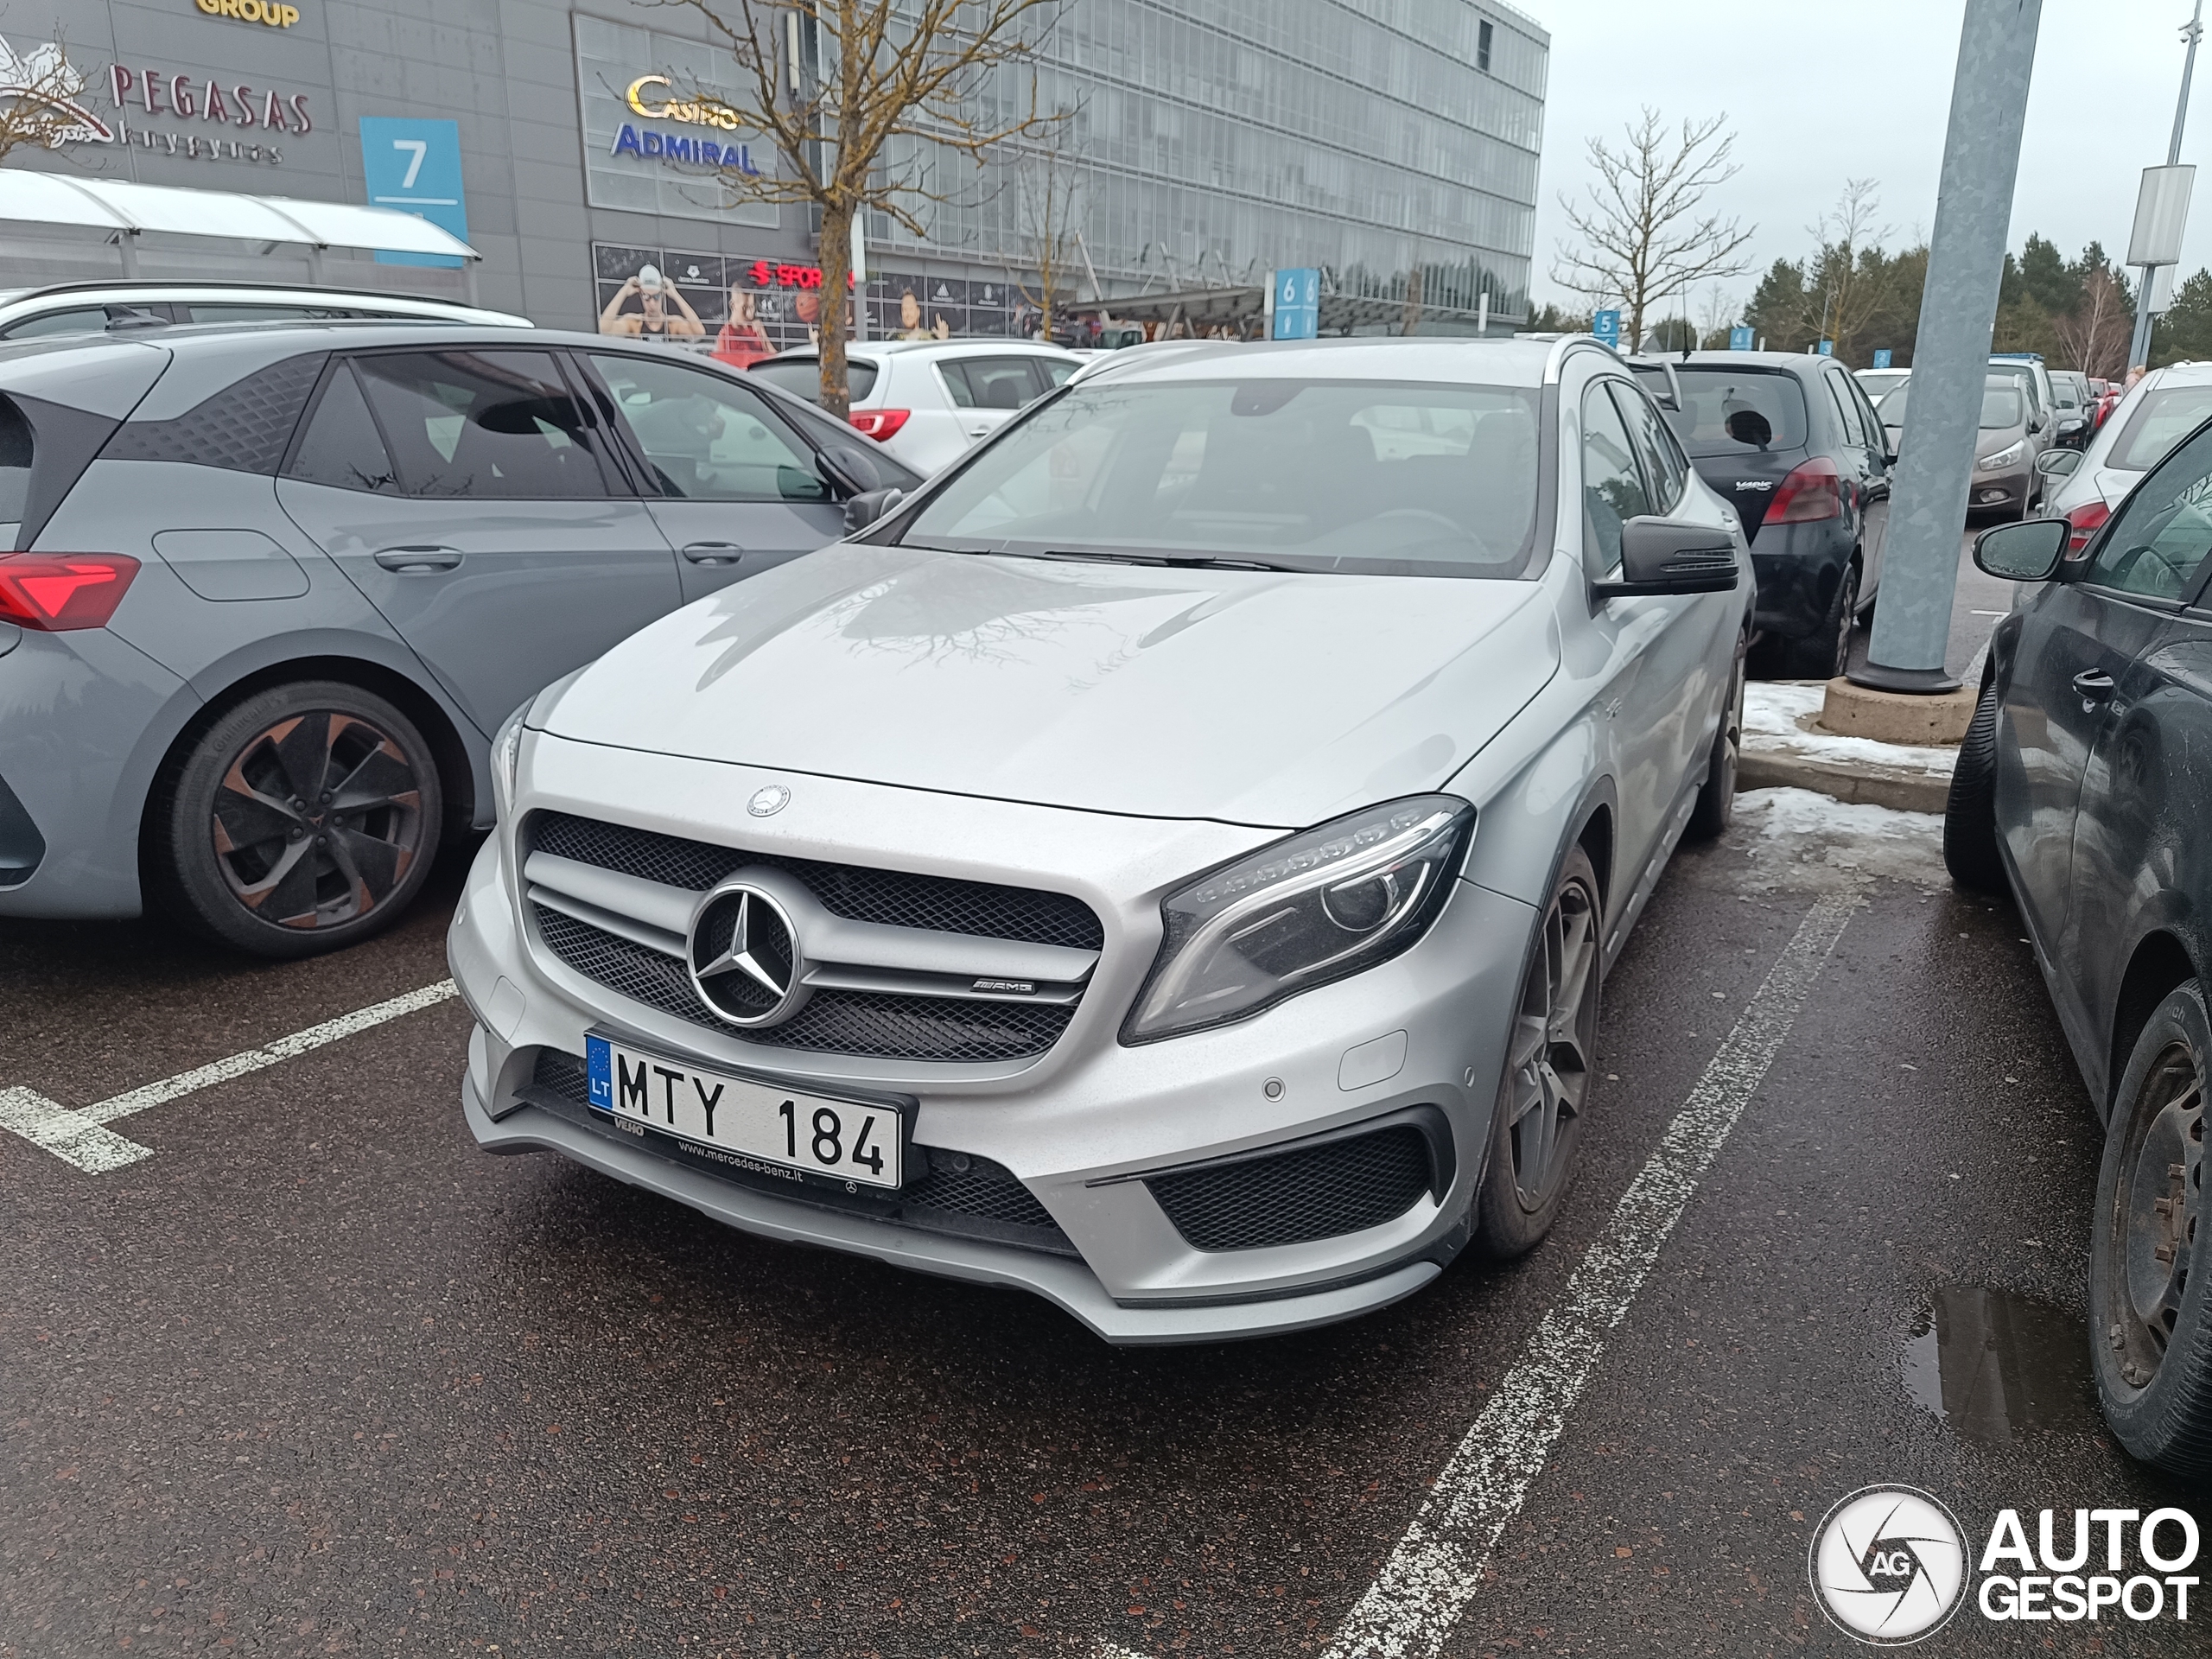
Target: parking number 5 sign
414,165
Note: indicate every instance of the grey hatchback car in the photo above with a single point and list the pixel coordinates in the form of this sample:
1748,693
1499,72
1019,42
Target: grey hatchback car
265,591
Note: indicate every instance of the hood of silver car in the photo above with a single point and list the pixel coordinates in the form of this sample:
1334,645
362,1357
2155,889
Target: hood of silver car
1254,697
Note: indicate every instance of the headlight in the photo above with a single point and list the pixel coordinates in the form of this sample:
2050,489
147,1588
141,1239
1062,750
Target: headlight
2008,456
506,756
1323,904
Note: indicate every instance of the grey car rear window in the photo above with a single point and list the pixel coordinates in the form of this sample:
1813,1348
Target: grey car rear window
1729,411
341,446
15,462
2163,419
801,376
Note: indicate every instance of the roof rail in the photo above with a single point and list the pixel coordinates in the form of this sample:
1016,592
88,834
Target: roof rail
1569,343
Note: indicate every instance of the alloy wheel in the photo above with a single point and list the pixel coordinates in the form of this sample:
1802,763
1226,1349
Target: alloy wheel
1547,1066
2154,1213
1848,605
317,820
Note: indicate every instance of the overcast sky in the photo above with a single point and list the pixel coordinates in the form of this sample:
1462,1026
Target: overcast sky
1819,94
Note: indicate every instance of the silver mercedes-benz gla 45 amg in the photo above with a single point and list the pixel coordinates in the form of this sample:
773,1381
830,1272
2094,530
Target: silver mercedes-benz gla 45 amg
1166,863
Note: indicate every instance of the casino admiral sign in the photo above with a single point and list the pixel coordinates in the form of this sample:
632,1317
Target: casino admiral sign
657,138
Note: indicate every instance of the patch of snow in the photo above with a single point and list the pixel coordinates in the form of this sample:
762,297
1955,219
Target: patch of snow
1797,838
1777,715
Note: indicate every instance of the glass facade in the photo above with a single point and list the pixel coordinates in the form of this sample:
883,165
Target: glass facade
1211,141
1207,142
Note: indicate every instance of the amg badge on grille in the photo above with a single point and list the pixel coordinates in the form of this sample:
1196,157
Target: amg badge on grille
1006,987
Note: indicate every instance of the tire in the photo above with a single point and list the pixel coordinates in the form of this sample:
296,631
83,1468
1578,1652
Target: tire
2151,1314
246,845
1716,801
1970,850
1825,652
1537,1126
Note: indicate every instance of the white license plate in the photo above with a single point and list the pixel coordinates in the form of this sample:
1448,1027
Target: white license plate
743,1122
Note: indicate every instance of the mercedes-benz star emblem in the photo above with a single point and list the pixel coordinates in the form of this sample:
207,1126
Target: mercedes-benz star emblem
768,801
745,957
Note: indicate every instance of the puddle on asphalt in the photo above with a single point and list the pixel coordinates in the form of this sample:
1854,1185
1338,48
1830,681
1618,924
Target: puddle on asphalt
1996,1366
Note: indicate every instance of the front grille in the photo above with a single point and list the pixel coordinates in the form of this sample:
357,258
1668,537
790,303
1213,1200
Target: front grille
873,1024
893,898
1294,1197
958,1193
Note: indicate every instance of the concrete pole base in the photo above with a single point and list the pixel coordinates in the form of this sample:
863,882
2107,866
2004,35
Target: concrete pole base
1910,717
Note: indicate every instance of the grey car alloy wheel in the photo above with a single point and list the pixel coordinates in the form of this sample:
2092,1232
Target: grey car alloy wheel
1536,1132
2150,1256
303,819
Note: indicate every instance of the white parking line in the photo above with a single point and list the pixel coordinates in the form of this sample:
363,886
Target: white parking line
1439,1563
81,1137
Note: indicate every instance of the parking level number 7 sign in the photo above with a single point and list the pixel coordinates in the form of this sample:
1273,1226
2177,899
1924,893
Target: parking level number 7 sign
414,165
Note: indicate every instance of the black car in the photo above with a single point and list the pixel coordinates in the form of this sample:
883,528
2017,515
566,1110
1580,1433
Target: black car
2082,787
1791,441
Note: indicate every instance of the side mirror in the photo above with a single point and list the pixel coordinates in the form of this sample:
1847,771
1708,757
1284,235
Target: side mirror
2027,551
2058,463
868,506
851,470
1670,556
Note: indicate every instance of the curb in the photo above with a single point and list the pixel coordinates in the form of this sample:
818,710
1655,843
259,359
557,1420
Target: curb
1901,792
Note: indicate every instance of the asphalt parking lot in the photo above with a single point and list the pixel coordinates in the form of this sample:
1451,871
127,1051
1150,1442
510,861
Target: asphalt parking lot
314,1375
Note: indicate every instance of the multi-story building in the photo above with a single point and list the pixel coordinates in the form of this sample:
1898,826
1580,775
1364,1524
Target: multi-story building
1394,144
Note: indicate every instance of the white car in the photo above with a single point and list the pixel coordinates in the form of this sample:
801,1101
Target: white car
930,401
2083,485
1166,864
1880,383
126,306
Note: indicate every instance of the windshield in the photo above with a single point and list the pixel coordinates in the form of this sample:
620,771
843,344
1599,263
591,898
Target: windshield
2163,419
1372,476
2001,404
801,376
1728,412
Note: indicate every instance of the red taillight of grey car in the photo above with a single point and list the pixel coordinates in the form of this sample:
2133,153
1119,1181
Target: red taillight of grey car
1812,491
57,592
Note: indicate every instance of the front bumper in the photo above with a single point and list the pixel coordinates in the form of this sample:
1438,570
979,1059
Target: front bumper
2000,492
1073,1126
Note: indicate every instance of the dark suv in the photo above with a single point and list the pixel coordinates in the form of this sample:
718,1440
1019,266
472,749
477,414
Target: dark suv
1792,443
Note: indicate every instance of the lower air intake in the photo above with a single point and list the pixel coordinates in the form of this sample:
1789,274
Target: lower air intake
1296,1196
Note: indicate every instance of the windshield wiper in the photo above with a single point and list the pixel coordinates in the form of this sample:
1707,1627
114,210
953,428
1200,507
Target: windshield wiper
1173,561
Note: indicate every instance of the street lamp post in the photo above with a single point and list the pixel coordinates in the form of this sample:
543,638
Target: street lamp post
1958,313
2162,208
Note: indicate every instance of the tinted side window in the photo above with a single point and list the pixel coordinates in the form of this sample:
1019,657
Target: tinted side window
88,320
705,439
989,382
493,423
1846,410
2156,547
1654,448
341,446
1613,486
15,466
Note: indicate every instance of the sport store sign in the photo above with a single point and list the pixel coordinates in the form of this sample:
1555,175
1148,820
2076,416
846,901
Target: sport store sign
749,307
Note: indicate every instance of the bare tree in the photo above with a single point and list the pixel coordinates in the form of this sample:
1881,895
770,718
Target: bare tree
1844,296
884,83
39,107
1716,314
2094,335
1049,194
1644,234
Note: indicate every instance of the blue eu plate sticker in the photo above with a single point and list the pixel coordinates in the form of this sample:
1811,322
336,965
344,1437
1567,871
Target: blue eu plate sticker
600,1063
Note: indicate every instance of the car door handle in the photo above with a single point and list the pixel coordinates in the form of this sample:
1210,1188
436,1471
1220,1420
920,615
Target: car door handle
2095,685
713,552
413,559
979,429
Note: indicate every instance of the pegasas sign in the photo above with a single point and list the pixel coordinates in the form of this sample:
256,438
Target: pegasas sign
161,94
692,112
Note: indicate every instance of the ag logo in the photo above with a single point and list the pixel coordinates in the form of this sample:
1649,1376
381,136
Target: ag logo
1889,1565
